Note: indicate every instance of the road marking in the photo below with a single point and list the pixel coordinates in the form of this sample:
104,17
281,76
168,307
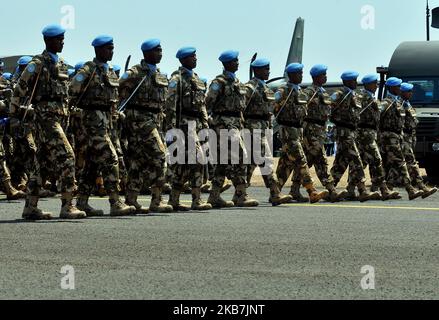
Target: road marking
361,207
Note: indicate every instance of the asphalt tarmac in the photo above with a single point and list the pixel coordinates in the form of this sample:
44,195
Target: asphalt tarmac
297,251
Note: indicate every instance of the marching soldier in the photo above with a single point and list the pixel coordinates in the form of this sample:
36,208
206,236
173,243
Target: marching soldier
226,100
94,89
185,105
45,83
409,141
391,135
290,112
257,115
144,88
346,115
318,111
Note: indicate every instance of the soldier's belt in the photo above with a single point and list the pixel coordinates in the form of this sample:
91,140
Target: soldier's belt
315,121
192,114
47,99
146,108
94,107
346,125
228,114
291,124
367,126
264,117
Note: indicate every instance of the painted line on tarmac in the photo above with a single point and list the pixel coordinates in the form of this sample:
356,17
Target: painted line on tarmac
361,207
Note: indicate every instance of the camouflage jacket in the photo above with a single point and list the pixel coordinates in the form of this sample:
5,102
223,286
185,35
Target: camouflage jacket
411,120
259,105
370,111
392,115
51,90
95,87
151,95
345,113
319,105
186,100
5,96
226,100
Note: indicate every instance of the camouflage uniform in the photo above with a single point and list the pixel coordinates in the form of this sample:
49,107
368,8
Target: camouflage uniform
48,75
408,145
185,103
226,100
391,125
290,111
94,89
144,116
318,111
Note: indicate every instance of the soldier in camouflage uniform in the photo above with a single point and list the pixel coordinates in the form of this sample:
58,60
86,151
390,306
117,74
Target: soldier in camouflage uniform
367,141
409,141
257,115
290,112
346,115
185,104
45,82
391,125
226,101
94,89
318,111
144,88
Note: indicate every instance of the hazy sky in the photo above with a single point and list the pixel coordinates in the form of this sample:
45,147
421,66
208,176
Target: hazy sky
333,30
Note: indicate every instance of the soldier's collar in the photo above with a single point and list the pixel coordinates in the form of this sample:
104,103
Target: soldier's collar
349,91
321,89
370,93
229,75
186,70
101,64
259,81
392,96
53,56
294,86
151,67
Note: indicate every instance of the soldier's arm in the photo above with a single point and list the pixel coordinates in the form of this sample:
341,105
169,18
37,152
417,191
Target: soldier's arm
213,95
78,83
23,88
171,103
127,84
279,100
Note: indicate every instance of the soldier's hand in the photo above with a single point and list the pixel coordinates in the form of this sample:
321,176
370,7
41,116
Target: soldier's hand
29,111
7,93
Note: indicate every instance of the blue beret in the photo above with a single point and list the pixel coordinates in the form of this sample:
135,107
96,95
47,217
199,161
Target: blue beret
79,65
7,76
228,56
369,78
150,44
185,52
102,40
70,72
294,67
116,68
349,75
24,60
318,70
406,87
393,82
53,30
260,63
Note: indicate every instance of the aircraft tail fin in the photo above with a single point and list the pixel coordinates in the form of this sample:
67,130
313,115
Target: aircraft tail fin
296,49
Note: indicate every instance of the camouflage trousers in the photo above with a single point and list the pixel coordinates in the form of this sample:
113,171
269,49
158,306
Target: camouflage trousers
115,138
393,155
24,153
194,173
146,156
347,156
80,142
237,173
314,137
293,158
370,155
54,154
410,159
4,171
101,155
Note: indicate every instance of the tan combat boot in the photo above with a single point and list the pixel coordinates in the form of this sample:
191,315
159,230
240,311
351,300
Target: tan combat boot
197,203
241,198
333,195
174,201
295,193
227,185
68,210
118,208
157,205
31,211
277,198
131,200
427,190
386,194
314,195
413,193
206,187
365,195
349,194
82,204
11,192
216,201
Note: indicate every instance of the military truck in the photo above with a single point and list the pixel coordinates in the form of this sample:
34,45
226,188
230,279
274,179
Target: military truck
417,62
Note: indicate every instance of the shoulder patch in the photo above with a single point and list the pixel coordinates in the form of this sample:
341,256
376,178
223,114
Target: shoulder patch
31,68
79,77
334,96
215,86
125,76
173,84
278,95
